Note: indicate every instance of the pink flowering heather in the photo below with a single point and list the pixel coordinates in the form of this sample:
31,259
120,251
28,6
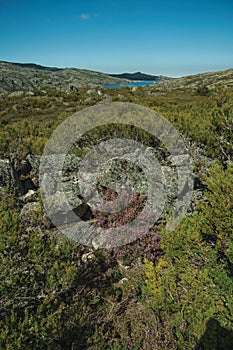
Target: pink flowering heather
147,245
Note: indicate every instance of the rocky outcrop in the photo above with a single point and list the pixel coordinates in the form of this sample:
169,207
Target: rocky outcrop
72,199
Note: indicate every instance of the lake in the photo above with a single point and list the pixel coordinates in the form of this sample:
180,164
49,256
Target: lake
130,84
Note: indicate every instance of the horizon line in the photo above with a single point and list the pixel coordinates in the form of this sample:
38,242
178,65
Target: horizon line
128,72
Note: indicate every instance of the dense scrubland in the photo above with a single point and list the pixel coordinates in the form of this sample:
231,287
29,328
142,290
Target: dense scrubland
164,291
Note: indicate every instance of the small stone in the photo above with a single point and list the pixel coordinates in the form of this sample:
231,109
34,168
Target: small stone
124,279
30,196
87,257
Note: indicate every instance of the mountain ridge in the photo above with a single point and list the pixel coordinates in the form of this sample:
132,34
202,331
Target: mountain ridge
29,76
139,76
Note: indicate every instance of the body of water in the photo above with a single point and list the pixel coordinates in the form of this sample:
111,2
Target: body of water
133,83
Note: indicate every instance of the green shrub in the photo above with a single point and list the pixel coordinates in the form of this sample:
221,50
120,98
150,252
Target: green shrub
192,283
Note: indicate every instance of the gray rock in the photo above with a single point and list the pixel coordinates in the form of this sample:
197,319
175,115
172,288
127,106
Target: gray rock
16,94
170,176
65,208
70,195
81,232
49,184
71,163
92,92
107,98
30,93
34,162
121,97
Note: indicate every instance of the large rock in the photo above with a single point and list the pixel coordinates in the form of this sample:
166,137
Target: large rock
66,209
61,195
68,198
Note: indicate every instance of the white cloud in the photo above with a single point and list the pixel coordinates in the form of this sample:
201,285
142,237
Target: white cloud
84,16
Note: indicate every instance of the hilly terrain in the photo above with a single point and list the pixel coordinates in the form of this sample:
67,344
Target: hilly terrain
163,291
209,79
139,76
28,77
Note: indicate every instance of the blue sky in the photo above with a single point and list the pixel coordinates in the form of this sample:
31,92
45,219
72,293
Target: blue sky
167,37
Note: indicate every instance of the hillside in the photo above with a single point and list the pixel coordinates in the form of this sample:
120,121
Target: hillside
28,76
210,79
139,76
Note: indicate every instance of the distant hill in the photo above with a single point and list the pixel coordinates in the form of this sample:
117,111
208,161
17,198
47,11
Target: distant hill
30,76
33,65
210,79
138,76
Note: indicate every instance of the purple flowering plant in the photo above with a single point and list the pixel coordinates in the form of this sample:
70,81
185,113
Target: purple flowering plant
147,244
